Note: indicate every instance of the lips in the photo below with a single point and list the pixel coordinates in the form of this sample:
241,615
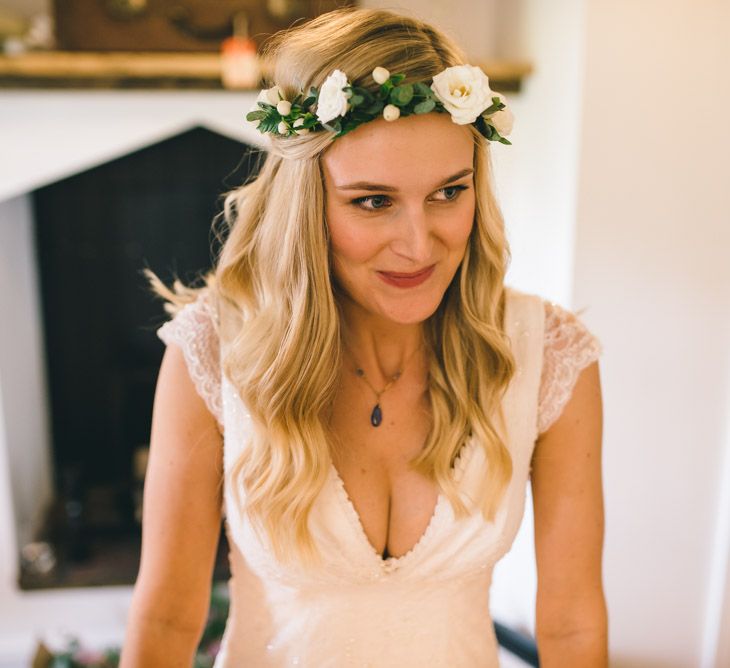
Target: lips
406,280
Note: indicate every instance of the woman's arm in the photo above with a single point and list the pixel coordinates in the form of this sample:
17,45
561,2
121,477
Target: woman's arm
180,525
571,615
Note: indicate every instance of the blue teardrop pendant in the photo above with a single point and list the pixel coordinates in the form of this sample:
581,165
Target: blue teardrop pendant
376,417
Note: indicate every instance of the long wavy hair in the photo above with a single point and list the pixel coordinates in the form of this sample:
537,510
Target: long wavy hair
280,322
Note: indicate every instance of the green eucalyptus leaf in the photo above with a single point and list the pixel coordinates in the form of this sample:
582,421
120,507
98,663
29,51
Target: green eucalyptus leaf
356,99
256,115
424,107
397,78
367,95
375,108
422,89
401,95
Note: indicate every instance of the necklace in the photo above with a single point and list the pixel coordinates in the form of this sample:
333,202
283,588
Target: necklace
376,415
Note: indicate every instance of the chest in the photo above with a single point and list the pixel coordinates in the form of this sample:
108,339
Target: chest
394,503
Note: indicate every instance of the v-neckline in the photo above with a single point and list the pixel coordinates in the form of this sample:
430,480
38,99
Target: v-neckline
359,529
355,521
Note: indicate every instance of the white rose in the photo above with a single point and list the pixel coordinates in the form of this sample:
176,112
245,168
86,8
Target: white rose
391,112
283,128
502,120
283,107
297,125
332,101
464,91
270,95
380,74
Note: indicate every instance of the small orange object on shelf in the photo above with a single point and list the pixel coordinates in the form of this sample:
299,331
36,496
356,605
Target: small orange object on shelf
240,66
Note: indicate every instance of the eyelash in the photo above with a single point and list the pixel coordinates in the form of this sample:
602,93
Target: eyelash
360,200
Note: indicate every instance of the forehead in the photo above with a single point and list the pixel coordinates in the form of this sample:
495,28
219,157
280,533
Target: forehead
413,150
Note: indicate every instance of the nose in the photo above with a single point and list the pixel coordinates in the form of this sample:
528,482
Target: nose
413,239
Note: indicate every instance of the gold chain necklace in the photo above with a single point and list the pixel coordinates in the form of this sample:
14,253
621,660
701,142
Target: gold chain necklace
376,415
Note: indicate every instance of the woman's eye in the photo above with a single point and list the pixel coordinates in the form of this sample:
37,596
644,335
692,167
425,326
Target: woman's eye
376,202
456,189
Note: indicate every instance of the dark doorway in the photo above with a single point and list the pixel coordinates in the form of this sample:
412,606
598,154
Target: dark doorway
95,232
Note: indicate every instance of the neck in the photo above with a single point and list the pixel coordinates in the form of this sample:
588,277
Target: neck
380,346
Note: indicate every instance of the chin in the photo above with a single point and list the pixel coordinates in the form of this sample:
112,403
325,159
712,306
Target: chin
410,314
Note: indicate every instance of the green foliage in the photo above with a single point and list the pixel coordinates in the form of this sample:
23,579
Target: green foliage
401,95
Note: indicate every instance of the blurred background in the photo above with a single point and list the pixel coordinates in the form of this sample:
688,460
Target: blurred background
122,122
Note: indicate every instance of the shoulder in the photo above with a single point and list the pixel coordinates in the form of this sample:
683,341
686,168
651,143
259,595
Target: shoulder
562,340
568,348
194,329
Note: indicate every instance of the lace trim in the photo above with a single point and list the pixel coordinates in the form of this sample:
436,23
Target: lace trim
194,329
568,348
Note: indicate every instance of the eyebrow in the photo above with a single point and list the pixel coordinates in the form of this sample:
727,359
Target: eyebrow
364,185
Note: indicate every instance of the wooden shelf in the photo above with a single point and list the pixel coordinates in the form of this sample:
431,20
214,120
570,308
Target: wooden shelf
130,70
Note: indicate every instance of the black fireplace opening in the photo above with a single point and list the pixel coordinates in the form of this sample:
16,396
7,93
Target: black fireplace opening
94,233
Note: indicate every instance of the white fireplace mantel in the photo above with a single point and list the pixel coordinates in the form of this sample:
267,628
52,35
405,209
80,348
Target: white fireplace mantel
46,135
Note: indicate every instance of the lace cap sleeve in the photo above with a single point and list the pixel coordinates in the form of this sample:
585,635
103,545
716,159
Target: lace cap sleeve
568,348
195,329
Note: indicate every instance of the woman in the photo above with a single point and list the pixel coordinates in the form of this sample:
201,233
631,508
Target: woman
360,394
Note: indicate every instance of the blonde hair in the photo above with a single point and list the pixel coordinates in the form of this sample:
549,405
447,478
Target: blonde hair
274,286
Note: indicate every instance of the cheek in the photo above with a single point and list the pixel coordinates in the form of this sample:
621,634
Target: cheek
351,243
459,231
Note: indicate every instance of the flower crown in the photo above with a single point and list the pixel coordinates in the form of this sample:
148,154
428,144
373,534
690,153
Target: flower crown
461,90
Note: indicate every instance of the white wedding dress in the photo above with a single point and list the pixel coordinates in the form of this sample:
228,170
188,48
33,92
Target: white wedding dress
429,607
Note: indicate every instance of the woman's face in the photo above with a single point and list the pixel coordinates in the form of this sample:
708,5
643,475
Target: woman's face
400,207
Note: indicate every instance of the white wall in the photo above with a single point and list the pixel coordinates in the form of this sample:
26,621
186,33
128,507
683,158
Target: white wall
23,399
653,260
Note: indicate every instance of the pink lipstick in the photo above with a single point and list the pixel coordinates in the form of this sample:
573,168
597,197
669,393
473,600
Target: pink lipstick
404,280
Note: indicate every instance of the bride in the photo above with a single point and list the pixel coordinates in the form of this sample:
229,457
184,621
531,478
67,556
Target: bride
359,394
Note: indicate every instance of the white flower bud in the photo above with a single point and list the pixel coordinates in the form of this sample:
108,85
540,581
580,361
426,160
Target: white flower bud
381,75
283,128
391,112
301,131
283,107
299,122
502,120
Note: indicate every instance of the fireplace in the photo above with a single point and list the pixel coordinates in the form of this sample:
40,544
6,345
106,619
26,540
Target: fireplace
93,233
